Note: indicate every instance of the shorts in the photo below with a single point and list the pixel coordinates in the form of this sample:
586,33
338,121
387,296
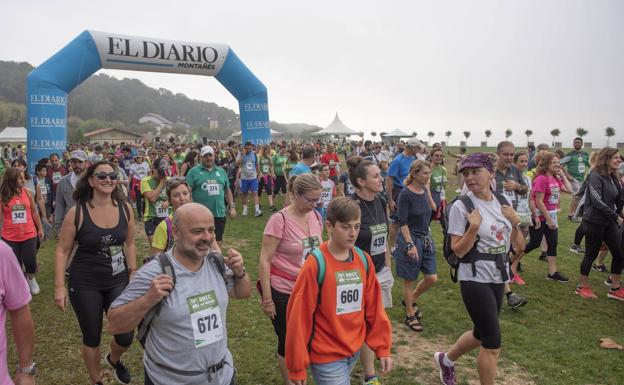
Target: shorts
219,228
576,186
249,185
151,224
335,372
386,281
408,268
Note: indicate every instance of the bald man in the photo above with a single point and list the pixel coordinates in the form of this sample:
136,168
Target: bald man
187,341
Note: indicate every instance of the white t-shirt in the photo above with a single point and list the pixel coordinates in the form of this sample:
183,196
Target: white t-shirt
139,170
494,237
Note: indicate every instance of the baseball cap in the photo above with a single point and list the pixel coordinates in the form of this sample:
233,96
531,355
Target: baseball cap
477,160
414,142
206,150
79,155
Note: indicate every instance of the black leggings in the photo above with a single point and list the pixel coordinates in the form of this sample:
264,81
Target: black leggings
483,302
594,236
88,305
280,185
578,235
536,239
26,253
139,200
279,323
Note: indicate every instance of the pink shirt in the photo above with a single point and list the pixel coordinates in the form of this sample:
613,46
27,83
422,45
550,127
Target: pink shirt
295,245
551,187
14,294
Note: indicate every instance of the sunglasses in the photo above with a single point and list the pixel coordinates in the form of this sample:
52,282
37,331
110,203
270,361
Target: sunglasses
104,175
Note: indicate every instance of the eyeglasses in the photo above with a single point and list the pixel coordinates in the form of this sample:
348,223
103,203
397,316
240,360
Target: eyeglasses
104,175
175,180
309,200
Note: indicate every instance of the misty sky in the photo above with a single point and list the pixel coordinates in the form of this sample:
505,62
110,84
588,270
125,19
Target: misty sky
416,65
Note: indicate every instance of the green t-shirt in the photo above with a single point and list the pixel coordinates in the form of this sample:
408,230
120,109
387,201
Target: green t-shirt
438,178
576,163
208,187
289,165
265,164
155,209
278,164
179,159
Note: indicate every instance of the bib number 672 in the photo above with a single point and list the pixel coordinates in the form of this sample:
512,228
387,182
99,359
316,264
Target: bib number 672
207,323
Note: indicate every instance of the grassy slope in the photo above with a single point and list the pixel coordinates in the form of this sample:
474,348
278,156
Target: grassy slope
554,339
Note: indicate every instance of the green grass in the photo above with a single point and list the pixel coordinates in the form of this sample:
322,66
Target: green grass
554,340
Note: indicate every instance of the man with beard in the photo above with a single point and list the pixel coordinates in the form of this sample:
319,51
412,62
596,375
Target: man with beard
65,189
187,340
576,163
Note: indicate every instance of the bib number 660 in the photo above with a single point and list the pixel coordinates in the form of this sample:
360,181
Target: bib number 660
349,296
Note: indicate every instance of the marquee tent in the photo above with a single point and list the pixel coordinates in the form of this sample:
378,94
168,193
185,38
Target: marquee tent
336,128
13,135
397,134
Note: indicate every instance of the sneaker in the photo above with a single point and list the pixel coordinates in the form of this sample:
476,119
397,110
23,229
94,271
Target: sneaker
515,301
33,286
577,249
616,294
608,282
372,381
273,208
557,277
447,373
244,211
121,373
518,280
599,268
585,292
520,269
258,213
542,256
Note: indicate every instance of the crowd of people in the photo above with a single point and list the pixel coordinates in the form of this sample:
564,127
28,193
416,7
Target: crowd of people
326,298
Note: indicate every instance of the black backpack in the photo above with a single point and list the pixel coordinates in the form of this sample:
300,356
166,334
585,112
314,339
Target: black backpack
452,259
167,268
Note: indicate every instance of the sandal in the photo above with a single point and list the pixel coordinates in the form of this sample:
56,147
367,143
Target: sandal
418,313
413,323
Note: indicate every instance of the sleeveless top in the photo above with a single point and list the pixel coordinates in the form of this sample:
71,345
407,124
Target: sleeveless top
99,262
18,222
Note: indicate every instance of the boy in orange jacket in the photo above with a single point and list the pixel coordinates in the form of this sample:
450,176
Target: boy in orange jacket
336,306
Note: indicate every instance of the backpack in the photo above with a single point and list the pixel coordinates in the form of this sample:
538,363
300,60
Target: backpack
167,269
320,278
472,255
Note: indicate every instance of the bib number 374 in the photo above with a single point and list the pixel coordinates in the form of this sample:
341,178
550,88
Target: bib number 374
348,292
205,318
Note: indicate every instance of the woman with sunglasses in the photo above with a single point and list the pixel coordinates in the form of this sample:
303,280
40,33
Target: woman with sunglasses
21,225
122,177
289,236
102,224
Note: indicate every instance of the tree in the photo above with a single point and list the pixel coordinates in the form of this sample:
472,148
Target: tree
609,132
581,132
507,133
467,135
448,135
555,133
373,134
528,134
382,134
414,134
431,134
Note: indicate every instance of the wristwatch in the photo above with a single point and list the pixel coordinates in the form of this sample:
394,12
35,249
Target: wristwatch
30,369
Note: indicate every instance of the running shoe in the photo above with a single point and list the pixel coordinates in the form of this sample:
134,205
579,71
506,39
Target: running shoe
608,281
520,269
577,249
599,268
273,208
616,294
542,256
515,301
33,286
447,373
258,213
557,277
244,211
372,381
120,372
585,292
517,279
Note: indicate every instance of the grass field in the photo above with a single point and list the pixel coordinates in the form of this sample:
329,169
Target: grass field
554,340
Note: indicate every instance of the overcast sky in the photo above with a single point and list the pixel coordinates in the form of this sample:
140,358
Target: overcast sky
416,65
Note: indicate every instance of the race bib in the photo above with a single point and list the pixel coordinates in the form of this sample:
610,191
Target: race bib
18,214
117,259
250,166
332,163
56,177
348,292
554,195
161,212
212,187
581,166
44,189
511,194
326,195
309,244
265,168
379,235
205,318
350,188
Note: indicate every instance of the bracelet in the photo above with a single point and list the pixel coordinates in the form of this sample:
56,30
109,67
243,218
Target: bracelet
409,245
239,277
266,302
132,270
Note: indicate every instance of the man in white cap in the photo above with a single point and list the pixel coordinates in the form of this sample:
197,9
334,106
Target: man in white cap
210,186
67,185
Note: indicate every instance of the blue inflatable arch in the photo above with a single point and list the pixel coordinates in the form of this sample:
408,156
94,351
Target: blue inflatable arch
49,84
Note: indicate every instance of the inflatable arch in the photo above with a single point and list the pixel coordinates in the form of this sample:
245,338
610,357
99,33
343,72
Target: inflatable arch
49,84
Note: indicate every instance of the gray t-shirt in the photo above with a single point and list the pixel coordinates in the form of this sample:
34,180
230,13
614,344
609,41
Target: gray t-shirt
494,237
248,165
513,174
181,338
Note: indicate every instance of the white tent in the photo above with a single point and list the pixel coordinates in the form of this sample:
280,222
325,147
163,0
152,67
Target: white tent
336,128
13,135
397,134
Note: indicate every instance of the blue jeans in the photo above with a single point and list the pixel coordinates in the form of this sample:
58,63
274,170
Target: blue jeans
334,373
